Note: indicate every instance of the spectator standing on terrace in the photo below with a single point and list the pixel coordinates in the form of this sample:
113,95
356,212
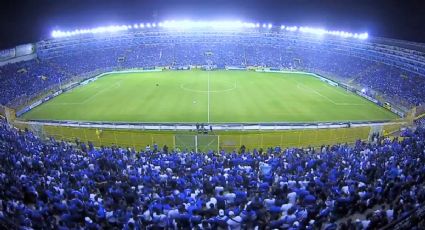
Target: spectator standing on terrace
58,185
234,222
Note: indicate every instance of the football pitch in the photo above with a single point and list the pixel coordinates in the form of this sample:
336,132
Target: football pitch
209,97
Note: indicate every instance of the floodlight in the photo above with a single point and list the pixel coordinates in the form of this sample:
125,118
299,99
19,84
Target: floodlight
292,28
248,25
220,24
311,30
363,36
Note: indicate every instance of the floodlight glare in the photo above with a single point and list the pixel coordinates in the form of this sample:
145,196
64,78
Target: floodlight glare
248,25
292,28
363,36
317,31
187,24
220,25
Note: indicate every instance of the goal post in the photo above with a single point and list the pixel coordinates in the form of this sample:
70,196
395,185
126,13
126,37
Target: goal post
197,143
185,142
207,142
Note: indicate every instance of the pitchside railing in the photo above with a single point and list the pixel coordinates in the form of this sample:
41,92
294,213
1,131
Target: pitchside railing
226,139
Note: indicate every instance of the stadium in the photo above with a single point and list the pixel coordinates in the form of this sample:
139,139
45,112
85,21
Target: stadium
226,124
175,74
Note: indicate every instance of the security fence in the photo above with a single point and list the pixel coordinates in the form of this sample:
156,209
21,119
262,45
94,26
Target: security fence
190,140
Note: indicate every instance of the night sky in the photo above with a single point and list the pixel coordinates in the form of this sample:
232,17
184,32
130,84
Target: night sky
24,21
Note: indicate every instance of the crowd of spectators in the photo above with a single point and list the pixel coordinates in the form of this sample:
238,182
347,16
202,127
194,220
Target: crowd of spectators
63,62
54,184
420,122
25,80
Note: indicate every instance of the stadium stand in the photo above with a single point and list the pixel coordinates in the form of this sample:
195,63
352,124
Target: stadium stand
62,185
394,73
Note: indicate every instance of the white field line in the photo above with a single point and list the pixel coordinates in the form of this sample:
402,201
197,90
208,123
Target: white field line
300,86
216,126
208,96
117,84
338,91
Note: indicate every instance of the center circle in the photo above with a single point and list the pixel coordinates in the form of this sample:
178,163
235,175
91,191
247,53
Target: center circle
215,86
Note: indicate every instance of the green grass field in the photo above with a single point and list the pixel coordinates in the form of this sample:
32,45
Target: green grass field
209,96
